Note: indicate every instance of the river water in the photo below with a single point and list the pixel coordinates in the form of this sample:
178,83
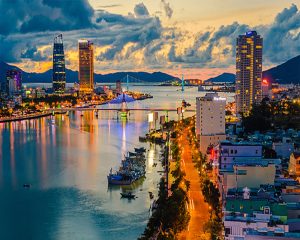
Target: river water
67,159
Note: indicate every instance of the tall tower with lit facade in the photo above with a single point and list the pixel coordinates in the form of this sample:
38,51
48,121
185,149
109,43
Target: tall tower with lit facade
13,82
249,50
86,66
59,69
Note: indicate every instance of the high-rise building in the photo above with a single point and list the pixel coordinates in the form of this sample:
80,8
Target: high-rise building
210,120
86,66
59,69
249,50
13,82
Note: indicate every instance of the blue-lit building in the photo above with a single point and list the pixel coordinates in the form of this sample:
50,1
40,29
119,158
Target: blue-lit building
13,82
59,69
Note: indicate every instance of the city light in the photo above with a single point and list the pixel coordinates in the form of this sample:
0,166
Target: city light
150,117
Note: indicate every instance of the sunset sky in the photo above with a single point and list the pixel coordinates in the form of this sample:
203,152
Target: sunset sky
191,37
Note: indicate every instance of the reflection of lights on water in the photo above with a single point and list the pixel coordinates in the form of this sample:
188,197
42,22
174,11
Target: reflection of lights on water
151,157
123,138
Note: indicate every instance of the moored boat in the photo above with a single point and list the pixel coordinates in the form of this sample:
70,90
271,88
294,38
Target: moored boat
140,150
132,168
128,195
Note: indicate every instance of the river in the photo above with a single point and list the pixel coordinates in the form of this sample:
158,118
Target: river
67,159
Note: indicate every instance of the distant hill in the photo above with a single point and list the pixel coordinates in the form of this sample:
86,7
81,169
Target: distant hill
223,78
72,76
288,72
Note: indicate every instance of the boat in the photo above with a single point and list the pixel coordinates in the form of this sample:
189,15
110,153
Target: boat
140,150
128,195
118,179
26,185
133,167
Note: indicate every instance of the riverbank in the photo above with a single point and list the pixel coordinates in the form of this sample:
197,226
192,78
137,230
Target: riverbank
171,215
21,118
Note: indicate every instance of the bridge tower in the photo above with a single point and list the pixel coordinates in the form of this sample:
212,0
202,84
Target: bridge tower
182,84
127,82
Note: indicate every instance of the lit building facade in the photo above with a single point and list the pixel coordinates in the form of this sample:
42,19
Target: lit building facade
249,50
294,165
59,69
86,66
210,120
13,82
265,87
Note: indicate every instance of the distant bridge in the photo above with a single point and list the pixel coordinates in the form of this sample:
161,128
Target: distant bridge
128,79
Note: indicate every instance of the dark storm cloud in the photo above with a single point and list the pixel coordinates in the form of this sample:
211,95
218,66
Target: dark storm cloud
44,15
141,30
140,10
281,38
33,53
167,8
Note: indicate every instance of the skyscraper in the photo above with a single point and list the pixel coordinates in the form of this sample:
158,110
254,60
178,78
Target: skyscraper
13,82
59,69
248,71
86,66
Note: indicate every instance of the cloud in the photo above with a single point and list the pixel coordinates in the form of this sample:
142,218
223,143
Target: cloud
110,6
134,41
33,53
216,48
167,8
44,15
140,10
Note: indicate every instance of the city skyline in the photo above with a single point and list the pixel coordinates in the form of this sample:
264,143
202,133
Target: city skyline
150,35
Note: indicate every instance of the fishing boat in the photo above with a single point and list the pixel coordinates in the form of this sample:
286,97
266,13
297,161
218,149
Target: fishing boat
128,195
140,150
133,167
119,179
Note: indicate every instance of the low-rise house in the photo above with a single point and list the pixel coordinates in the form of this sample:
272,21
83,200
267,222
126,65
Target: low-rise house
242,214
294,165
283,148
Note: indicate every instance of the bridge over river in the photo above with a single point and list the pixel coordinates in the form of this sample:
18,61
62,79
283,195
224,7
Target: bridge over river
119,109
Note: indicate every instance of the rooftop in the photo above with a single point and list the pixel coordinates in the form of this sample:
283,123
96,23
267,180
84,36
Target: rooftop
276,232
229,143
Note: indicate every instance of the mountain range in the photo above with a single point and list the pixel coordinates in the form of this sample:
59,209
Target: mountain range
288,72
72,76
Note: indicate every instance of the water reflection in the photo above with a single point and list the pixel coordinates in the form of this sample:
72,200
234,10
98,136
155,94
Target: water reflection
67,159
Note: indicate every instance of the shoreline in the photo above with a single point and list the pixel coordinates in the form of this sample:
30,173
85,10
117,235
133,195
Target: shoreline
16,119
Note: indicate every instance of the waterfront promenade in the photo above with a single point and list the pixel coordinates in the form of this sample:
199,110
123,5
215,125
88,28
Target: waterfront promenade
199,209
24,117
